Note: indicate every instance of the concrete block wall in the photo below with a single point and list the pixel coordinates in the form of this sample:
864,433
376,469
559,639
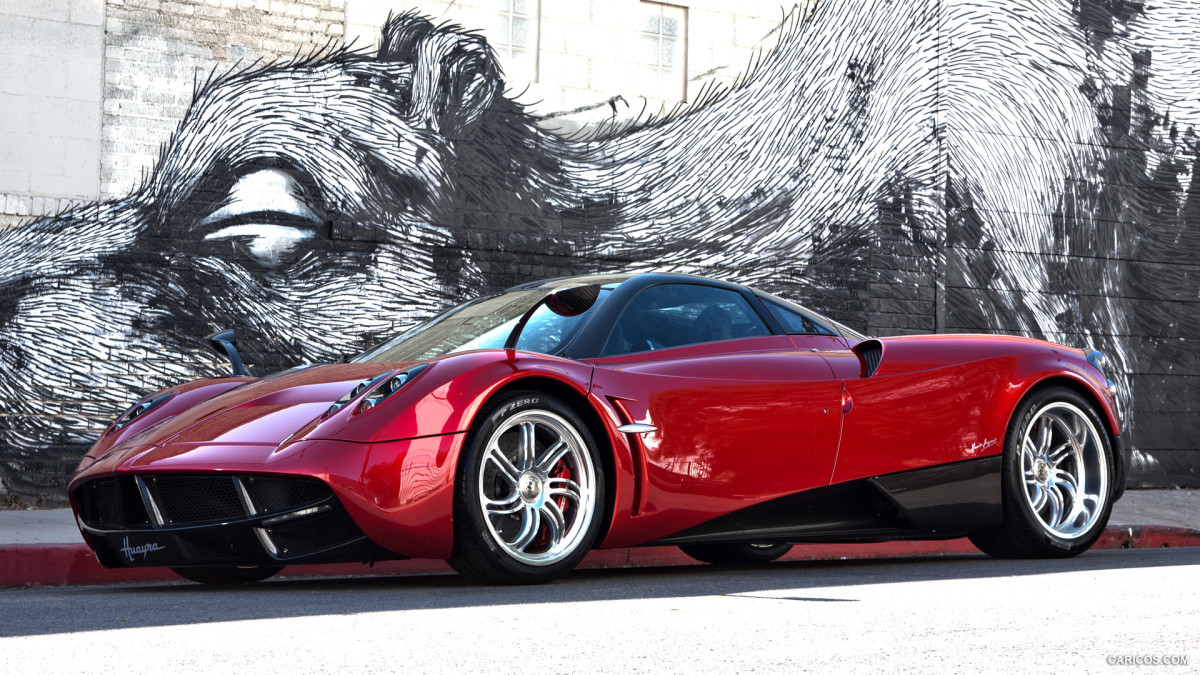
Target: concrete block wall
50,103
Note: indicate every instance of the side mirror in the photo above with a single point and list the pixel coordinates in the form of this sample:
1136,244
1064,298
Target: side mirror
224,344
570,301
573,301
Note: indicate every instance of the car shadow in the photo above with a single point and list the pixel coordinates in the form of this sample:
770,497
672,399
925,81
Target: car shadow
88,608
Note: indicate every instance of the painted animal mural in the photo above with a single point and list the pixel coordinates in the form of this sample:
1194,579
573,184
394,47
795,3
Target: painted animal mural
1012,166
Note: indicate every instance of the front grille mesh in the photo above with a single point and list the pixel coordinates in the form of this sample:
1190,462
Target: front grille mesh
197,499
210,502
315,533
104,496
284,494
115,503
112,503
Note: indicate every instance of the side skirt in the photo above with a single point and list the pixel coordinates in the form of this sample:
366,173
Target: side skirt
939,502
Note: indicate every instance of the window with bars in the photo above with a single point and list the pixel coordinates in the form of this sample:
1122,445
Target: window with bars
663,44
516,38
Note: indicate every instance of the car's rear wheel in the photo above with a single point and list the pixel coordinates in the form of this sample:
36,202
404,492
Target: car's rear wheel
736,554
1056,479
229,574
529,492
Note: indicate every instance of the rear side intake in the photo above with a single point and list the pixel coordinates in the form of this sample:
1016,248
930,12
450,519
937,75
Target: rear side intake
870,353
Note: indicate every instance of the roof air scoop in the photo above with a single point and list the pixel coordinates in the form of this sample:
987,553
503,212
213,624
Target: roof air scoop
224,344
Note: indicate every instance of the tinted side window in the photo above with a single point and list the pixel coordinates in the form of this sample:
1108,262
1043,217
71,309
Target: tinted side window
673,315
795,323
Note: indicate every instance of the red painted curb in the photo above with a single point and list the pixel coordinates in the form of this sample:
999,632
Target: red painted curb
73,564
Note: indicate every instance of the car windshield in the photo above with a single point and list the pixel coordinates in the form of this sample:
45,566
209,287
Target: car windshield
483,324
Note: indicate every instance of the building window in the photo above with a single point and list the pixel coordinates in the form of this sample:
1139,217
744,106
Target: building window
516,38
663,40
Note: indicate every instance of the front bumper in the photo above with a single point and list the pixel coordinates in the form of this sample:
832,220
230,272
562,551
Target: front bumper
186,520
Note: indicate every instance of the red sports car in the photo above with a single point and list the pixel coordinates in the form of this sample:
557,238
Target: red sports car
516,432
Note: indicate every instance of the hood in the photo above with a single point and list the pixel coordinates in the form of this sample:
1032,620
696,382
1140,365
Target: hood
263,412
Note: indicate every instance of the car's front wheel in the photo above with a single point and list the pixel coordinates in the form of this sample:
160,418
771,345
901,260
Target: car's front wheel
529,492
228,575
1056,479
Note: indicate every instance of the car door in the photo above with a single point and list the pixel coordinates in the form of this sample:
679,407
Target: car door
739,415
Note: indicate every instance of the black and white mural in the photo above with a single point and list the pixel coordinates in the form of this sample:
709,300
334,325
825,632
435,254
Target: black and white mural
1006,165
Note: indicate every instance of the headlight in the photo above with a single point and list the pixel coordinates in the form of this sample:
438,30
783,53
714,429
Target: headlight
353,394
389,387
138,409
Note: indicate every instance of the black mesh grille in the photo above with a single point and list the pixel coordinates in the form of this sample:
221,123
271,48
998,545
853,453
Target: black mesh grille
872,353
199,552
112,503
193,499
314,533
107,511
115,503
272,495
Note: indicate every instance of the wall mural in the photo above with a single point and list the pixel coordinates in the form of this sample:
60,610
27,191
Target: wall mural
1011,166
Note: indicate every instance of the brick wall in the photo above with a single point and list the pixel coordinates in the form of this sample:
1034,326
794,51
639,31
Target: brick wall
90,91
155,51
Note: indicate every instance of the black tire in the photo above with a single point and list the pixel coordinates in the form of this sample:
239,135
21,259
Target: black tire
227,575
728,555
556,523
1026,532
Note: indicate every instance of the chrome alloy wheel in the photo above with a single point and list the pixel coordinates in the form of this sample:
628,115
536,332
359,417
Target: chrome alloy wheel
1065,470
537,487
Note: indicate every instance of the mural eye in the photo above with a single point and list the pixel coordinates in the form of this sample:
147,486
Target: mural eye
266,216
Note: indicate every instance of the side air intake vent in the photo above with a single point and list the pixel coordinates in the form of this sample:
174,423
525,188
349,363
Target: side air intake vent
871,353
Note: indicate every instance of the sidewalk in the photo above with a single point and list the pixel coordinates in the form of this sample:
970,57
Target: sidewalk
45,547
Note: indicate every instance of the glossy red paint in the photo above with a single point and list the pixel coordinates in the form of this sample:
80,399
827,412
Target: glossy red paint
184,397
915,410
445,397
732,430
738,422
400,493
393,465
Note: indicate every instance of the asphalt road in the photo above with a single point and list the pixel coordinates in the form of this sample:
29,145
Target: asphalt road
945,614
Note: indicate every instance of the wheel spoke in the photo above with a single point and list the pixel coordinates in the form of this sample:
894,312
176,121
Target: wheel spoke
1039,497
503,507
1079,433
1045,434
552,456
564,487
554,520
527,445
507,470
1028,452
1059,453
1067,488
1064,478
1056,506
531,522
